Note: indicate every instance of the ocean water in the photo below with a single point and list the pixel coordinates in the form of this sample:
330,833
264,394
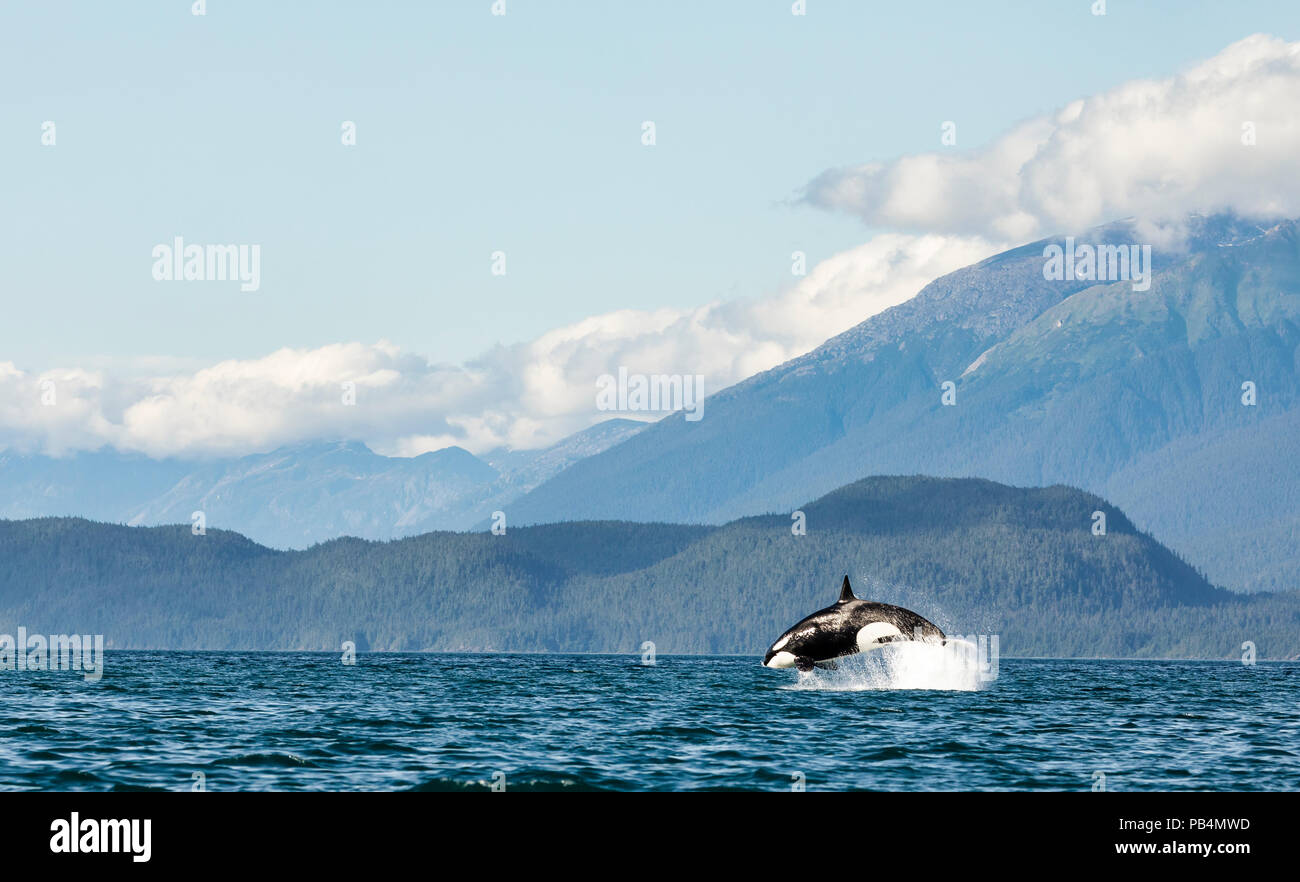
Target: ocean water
305,721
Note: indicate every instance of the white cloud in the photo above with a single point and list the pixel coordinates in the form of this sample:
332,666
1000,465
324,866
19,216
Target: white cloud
527,395
1148,149
1151,149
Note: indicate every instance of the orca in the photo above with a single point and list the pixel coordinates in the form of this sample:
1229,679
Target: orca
848,627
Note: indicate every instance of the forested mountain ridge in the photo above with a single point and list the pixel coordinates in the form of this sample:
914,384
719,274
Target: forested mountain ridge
1138,395
974,556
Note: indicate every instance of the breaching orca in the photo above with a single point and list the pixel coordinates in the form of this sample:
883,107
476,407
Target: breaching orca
850,626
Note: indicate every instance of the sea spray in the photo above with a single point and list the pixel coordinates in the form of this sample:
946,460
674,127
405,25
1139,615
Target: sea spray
957,665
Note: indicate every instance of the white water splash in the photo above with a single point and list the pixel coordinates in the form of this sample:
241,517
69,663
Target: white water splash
954,666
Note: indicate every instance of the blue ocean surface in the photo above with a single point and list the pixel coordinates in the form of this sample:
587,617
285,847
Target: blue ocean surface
306,721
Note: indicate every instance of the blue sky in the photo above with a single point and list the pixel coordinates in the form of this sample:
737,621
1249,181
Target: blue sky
478,133
522,133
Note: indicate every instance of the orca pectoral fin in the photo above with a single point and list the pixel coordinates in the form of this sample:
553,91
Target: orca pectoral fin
804,664
829,665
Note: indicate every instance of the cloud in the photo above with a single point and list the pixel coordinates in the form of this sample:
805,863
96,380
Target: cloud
1151,149
1148,149
527,395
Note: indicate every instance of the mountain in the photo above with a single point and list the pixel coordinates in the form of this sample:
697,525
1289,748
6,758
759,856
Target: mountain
295,496
101,485
1134,395
973,556
527,468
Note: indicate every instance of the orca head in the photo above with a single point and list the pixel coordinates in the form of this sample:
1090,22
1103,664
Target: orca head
778,659
778,656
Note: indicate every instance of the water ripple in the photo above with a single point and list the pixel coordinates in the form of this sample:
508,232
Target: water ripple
300,721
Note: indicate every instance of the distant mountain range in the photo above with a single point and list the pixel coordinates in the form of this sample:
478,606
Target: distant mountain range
1135,395
295,496
973,556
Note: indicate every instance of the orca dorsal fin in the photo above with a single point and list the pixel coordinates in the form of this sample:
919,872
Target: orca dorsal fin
846,592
